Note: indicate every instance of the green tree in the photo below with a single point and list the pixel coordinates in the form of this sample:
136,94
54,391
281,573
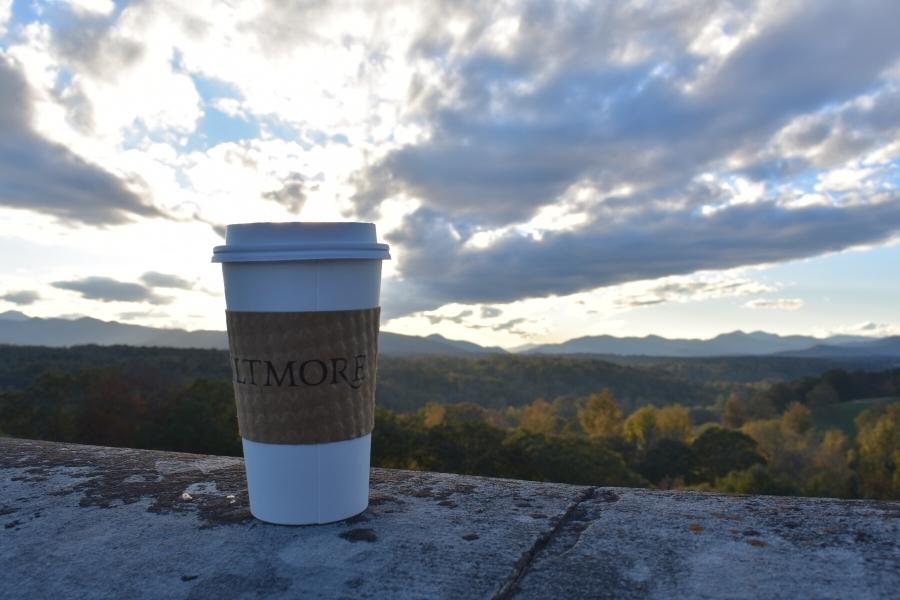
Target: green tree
565,459
720,451
668,463
395,439
742,407
200,418
823,393
464,447
756,479
112,409
601,416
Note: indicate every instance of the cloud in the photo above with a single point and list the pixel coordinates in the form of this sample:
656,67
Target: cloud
5,14
524,126
438,268
534,148
458,319
139,314
106,289
22,298
291,194
510,325
666,159
684,291
40,175
464,318
776,303
866,328
490,312
166,280
101,7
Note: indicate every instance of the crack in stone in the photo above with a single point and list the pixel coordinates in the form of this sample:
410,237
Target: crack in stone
511,587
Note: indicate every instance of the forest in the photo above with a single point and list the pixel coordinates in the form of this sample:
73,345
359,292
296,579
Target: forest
830,432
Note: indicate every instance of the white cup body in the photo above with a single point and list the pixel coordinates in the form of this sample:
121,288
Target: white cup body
299,484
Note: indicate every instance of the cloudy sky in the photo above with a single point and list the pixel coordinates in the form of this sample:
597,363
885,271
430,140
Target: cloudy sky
542,170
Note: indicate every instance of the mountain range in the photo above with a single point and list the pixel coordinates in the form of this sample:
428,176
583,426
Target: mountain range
20,329
736,343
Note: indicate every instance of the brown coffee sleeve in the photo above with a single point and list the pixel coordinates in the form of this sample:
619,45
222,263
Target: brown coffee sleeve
304,377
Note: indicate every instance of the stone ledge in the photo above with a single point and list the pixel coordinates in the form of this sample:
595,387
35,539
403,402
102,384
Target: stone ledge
93,522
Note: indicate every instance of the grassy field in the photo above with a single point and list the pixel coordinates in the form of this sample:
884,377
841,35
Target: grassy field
841,415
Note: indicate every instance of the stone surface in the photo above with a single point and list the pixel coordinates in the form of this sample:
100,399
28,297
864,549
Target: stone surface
649,544
90,522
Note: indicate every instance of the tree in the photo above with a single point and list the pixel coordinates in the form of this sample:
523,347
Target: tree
434,414
201,418
443,414
797,418
601,416
673,422
878,442
565,459
733,415
781,395
832,473
112,410
540,417
823,393
740,408
567,408
640,427
786,451
464,447
720,451
756,479
394,439
668,462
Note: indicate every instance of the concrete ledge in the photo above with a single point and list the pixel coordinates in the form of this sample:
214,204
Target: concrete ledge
91,522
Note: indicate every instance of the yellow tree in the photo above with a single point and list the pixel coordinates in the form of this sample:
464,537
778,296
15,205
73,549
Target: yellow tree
640,427
878,441
832,475
733,413
797,418
673,422
788,452
434,415
540,417
601,416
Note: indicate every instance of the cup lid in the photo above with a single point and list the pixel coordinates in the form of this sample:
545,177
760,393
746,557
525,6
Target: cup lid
268,242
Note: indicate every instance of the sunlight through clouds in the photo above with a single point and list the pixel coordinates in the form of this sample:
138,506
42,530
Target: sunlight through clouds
575,166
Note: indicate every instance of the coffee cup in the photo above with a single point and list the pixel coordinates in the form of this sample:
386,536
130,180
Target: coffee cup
302,307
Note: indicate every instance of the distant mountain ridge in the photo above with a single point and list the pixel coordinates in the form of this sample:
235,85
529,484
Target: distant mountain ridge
736,343
18,328
36,331
889,346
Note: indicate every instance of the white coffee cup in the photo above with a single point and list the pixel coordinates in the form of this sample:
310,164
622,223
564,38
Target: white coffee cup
304,267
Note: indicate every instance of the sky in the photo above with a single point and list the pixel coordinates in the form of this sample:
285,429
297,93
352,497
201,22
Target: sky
541,170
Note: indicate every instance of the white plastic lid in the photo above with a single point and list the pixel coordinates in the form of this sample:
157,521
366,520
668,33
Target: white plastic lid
260,242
